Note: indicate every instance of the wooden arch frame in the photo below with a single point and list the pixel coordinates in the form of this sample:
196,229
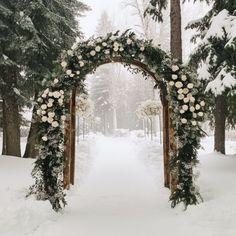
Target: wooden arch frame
70,127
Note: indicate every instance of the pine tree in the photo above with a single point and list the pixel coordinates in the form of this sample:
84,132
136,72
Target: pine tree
216,59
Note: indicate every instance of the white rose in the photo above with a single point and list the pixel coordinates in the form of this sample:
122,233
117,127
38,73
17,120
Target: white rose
50,94
180,96
46,91
98,49
182,111
70,52
174,77
81,63
74,46
44,95
115,49
180,91
107,51
77,72
69,72
194,123
55,81
194,115
44,107
44,118
61,92
99,40
51,114
184,121
171,83
39,99
186,100
121,49
55,124
178,84
192,99
50,120
60,101
90,43
190,85
200,113
104,44
185,107
51,100
129,41
72,75
189,95
175,68
45,138
39,112
63,117
93,53
49,104
192,109
184,77
44,112
56,94
64,64
142,48
202,103
185,90
80,57
197,107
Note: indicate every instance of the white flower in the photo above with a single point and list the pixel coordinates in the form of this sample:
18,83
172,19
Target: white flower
55,81
184,77
180,96
60,101
194,115
202,103
46,91
63,117
180,91
115,49
93,53
44,95
64,64
98,49
197,107
178,84
50,94
142,48
99,40
49,104
171,83
56,94
189,95
190,85
44,107
175,68
44,118
194,123
51,114
81,63
70,52
39,112
61,92
77,72
90,43
74,46
55,124
192,108
185,107
45,138
129,41
72,75
185,90
192,99
104,44
51,100
69,72
107,51
79,57
44,112
186,100
182,111
121,49
50,120
116,45
184,121
200,113
39,99
174,77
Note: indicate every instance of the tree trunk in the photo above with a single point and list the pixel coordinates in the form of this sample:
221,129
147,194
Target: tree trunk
220,118
11,125
4,148
30,150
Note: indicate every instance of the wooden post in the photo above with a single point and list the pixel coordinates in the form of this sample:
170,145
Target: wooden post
72,136
166,142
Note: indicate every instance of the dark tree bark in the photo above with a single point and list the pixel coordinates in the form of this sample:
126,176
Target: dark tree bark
11,126
4,150
220,119
30,150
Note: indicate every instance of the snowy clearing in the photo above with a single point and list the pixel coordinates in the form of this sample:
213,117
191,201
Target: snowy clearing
119,192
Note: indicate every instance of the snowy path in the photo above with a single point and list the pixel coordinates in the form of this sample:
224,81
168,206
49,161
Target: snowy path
119,192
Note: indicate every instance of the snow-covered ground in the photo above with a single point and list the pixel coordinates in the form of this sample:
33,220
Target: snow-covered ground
119,192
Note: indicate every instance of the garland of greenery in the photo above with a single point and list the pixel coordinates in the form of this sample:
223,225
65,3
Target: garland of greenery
82,59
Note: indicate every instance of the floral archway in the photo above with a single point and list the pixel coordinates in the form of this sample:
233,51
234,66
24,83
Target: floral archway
180,91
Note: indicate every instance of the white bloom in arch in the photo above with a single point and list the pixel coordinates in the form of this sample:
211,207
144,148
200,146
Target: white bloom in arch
70,52
185,90
44,119
104,44
116,49
198,107
50,120
192,99
50,94
63,117
178,84
56,94
192,108
90,43
46,91
44,112
39,99
107,51
185,107
72,75
51,100
69,72
44,95
142,48
93,53
121,49
180,91
51,114
184,121
81,63
61,91
194,115
77,72
175,68
194,123
190,85
186,100
39,112
99,40
55,81
171,83
200,113
44,107
64,64
129,41
60,101
180,97
98,49
174,77
45,138
79,57
49,104
184,77
182,111
202,103
55,124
